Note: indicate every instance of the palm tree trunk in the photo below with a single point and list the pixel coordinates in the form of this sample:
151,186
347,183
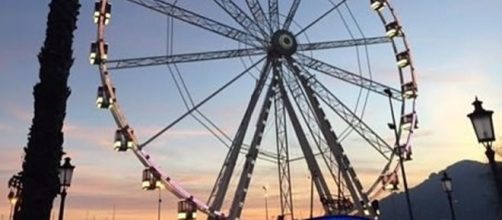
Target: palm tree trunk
44,151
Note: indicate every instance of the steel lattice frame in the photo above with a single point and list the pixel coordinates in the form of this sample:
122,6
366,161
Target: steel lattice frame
290,89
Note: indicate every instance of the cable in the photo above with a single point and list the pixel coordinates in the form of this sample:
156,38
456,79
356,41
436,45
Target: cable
346,132
212,95
188,100
183,87
368,61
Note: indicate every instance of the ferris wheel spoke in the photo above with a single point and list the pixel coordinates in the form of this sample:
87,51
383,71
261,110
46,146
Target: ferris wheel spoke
199,21
162,131
347,76
205,121
343,43
182,58
258,14
242,18
273,13
223,137
291,14
320,17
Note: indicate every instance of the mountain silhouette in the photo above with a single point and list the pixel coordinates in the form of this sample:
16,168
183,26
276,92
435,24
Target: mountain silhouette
474,196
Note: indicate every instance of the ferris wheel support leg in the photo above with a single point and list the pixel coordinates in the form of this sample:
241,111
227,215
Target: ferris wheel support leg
345,113
247,171
221,185
284,173
313,166
313,128
352,181
361,128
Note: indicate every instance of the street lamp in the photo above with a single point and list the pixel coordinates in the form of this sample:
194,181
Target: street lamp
409,121
65,176
12,197
447,188
482,123
16,187
266,200
311,178
12,200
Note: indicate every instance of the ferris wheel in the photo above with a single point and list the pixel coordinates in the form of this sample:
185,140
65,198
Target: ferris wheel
320,83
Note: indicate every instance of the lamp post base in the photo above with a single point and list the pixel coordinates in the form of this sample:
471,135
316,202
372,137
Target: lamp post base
490,154
452,211
61,206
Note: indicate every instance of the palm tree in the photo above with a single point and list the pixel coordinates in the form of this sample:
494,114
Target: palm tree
44,151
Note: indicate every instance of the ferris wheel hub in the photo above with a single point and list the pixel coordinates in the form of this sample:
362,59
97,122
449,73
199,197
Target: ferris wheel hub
283,43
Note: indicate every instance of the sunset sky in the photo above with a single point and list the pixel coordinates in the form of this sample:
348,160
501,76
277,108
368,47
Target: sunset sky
456,48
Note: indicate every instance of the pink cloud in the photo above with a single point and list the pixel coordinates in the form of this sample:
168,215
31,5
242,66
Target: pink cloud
17,112
101,136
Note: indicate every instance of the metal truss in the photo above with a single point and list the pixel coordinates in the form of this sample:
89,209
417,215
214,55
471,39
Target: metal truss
182,58
273,14
120,119
242,18
314,129
284,174
258,14
320,17
199,21
313,166
227,54
249,164
343,43
347,76
220,187
291,14
348,173
347,115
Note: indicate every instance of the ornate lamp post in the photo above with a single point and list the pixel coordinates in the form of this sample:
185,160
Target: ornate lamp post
65,176
311,215
483,127
482,123
12,200
16,187
447,188
398,148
